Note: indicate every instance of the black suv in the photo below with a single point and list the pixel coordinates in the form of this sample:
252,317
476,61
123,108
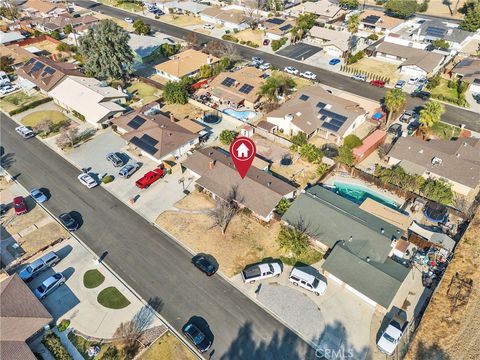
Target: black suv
198,338
424,95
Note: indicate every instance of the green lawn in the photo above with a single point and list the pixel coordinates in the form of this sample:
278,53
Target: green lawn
92,278
444,93
18,99
144,91
34,118
444,131
112,298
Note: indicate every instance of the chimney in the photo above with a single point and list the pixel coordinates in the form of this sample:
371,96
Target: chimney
211,165
172,119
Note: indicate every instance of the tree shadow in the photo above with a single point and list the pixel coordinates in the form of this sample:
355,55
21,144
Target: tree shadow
7,160
432,352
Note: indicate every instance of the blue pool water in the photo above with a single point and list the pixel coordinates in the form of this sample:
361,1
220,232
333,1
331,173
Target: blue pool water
377,115
358,193
241,115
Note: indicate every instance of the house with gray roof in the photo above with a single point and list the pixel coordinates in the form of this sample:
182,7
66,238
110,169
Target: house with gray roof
146,48
327,12
455,161
360,244
313,110
11,37
259,191
434,29
184,6
468,70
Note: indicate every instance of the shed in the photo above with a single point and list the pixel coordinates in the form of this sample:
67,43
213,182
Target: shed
370,144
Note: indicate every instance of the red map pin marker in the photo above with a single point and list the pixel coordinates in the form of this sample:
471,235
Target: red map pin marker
242,151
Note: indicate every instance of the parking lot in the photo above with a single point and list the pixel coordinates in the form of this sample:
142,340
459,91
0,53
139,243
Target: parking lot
75,302
299,51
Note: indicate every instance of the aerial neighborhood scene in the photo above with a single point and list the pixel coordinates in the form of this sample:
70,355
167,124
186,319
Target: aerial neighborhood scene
240,179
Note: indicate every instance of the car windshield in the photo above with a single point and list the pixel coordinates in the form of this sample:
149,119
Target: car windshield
198,337
315,283
19,205
389,338
36,195
42,288
29,269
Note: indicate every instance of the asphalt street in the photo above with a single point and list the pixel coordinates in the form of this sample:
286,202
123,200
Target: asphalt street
149,261
453,115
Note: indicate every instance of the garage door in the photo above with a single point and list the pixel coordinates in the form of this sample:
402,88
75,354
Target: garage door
332,51
412,71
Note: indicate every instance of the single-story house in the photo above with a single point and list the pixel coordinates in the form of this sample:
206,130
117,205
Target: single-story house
327,11
361,244
469,71
146,48
188,7
239,88
276,28
186,63
11,37
45,73
334,43
155,135
434,29
455,161
378,21
228,18
22,316
44,8
259,191
58,23
18,54
88,97
313,110
413,62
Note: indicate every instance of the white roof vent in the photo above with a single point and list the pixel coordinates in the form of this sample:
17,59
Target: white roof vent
436,161
298,113
289,117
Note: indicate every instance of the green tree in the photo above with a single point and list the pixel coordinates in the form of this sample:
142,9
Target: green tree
106,52
431,113
275,85
227,136
299,139
175,92
438,190
282,206
141,28
351,4
352,141
293,239
205,71
471,21
6,63
345,155
311,153
322,169
67,29
168,50
440,44
401,8
303,23
434,81
353,22
55,34
395,100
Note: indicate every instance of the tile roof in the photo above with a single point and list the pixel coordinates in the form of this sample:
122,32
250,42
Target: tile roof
186,62
190,6
307,114
460,158
168,135
340,39
259,191
442,31
21,315
322,8
46,73
469,69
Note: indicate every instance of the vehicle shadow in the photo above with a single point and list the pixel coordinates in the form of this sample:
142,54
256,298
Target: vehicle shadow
64,251
46,192
203,326
78,217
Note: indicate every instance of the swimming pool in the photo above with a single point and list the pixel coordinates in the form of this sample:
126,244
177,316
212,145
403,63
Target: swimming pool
358,193
241,115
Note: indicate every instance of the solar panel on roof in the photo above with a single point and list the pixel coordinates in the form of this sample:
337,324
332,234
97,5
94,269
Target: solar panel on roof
228,82
336,122
435,31
371,19
323,117
246,88
49,70
321,105
149,140
304,97
144,146
286,27
330,126
333,115
30,62
276,21
38,66
136,122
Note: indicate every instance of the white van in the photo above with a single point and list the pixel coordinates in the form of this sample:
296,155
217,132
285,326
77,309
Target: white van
300,278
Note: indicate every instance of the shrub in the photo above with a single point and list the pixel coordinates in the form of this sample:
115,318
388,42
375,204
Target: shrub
78,115
64,324
277,44
373,37
355,58
54,345
28,106
107,179
310,153
227,136
299,139
322,169
229,37
282,206
352,141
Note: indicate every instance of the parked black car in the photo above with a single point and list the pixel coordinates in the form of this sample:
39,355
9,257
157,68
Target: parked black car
69,222
198,338
424,95
395,129
204,264
413,126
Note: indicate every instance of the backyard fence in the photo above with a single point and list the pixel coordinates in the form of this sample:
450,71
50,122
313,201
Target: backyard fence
272,137
154,83
37,39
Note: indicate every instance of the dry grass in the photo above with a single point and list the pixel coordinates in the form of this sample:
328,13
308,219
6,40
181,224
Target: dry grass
26,220
41,237
167,347
121,23
436,7
302,172
444,335
51,48
186,111
251,35
380,68
195,201
181,20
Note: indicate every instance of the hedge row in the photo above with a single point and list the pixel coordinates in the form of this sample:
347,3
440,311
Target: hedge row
29,106
54,345
249,43
460,102
229,37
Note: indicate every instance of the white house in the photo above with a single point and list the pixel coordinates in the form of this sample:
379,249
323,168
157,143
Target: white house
229,18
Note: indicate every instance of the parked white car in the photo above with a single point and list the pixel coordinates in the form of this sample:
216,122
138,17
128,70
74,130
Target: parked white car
8,88
128,20
308,75
307,281
359,77
256,272
208,26
392,335
291,70
49,285
265,66
412,81
24,132
87,180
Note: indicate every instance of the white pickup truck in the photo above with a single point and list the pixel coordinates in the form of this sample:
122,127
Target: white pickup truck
253,273
392,335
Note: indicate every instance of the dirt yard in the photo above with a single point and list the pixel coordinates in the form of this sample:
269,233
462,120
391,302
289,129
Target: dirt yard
445,334
302,172
187,111
181,20
196,201
167,347
380,68
437,7
255,36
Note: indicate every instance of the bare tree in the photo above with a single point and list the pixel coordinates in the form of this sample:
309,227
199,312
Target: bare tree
191,38
231,52
462,204
225,209
252,10
44,126
383,150
67,137
216,48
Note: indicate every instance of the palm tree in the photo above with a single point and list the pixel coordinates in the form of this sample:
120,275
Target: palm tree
431,113
275,85
353,22
395,100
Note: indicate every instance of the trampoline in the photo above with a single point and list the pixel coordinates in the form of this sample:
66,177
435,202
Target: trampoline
212,119
435,212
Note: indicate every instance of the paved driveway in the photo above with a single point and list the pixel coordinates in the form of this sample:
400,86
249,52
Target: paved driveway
299,51
75,302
